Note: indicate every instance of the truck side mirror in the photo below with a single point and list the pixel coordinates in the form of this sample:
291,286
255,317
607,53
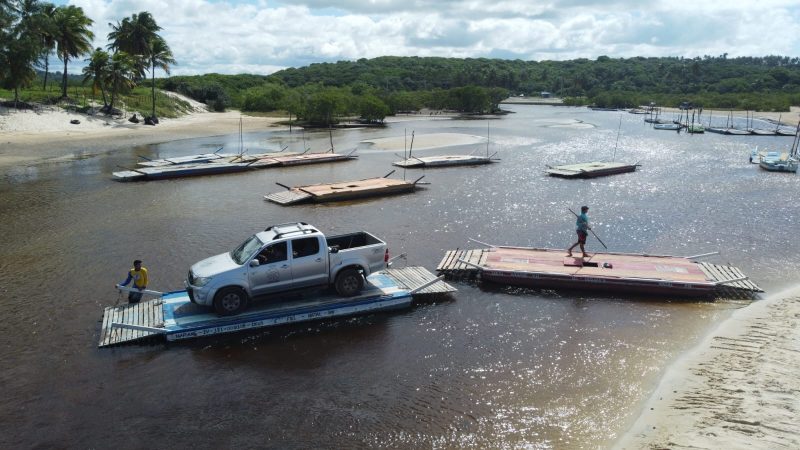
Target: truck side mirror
254,263
333,249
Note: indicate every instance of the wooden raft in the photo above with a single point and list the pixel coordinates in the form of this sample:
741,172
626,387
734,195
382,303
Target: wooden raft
146,314
451,264
443,161
412,278
346,190
590,170
721,273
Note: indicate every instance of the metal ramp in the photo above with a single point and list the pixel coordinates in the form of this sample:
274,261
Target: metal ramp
729,277
453,264
418,280
288,197
131,322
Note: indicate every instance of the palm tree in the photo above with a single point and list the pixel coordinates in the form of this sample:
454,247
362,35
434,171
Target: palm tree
73,36
135,36
120,75
97,71
160,56
48,33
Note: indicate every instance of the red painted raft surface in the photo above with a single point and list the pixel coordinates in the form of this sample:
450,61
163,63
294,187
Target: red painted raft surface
611,272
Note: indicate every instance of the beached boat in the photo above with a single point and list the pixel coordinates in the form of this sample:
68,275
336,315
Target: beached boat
341,191
173,316
601,272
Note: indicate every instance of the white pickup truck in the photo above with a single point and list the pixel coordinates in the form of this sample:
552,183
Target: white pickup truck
282,258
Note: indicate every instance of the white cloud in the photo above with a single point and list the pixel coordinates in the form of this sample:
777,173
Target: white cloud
263,36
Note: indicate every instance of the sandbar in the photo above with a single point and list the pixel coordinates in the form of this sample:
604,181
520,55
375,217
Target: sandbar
739,388
425,141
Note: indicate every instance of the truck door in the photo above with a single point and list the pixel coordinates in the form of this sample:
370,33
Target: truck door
309,262
274,272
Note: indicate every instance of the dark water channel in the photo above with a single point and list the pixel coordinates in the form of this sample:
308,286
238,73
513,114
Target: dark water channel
487,367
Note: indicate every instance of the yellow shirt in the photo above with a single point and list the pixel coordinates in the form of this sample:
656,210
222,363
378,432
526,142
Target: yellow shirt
139,277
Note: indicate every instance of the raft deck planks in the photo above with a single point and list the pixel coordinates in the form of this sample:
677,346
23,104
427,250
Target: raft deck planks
145,314
346,190
412,278
590,170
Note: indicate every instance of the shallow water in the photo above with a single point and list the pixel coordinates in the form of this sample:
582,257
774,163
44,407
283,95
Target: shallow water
487,367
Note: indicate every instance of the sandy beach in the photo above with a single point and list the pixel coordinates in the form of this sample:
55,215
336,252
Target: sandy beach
26,135
737,389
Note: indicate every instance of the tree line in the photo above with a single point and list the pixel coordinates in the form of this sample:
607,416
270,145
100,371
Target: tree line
319,104
32,31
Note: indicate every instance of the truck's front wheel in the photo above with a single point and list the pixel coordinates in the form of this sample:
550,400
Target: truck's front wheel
349,282
230,301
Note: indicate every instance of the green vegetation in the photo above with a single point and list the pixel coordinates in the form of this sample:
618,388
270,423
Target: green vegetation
82,96
320,93
31,31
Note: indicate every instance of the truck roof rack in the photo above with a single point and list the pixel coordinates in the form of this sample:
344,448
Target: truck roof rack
283,229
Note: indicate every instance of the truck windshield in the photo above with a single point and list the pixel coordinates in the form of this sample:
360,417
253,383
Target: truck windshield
245,251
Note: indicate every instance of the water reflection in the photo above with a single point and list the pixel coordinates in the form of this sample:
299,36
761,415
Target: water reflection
493,367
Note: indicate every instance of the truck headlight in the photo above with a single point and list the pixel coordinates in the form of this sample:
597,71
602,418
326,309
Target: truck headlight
200,281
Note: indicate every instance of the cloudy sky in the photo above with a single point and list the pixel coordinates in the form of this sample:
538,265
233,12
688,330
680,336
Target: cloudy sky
261,36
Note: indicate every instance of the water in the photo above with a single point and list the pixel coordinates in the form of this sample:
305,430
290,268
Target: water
487,367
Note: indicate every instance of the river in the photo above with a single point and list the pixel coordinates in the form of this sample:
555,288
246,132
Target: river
488,366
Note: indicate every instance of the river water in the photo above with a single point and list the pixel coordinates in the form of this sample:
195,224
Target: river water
486,367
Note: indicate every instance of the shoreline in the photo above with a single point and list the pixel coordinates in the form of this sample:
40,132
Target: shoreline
25,135
735,389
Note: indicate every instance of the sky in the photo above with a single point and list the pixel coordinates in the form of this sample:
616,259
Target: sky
262,37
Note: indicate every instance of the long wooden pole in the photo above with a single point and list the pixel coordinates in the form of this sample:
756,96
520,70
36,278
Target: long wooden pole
593,233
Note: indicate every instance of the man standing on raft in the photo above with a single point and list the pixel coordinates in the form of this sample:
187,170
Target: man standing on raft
581,227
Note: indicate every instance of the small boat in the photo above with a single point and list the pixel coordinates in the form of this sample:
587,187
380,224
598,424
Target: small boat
666,126
778,162
601,272
695,128
755,156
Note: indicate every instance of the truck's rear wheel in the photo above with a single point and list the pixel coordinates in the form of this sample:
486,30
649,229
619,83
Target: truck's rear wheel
230,301
349,282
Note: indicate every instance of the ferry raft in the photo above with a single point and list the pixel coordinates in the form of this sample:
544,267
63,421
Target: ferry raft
341,191
236,164
590,169
172,315
414,162
606,272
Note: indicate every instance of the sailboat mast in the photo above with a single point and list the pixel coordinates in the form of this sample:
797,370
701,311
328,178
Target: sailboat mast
614,156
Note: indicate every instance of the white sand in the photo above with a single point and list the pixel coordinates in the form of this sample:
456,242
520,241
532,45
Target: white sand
425,141
28,137
740,388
